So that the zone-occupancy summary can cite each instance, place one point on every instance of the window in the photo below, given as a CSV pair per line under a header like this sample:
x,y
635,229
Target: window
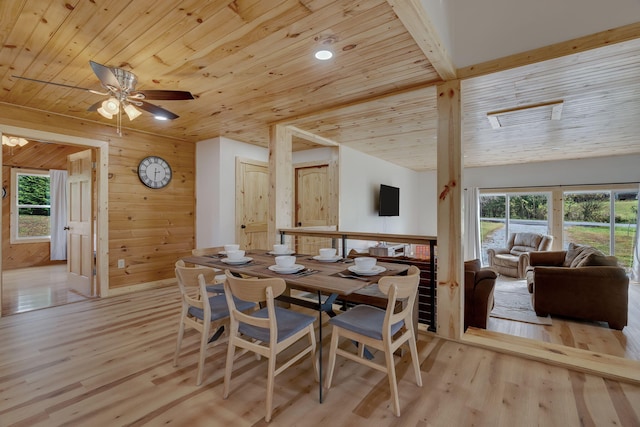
x,y
503,214
30,206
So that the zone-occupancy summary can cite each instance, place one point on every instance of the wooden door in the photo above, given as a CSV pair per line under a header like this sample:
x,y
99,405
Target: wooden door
x,y
252,192
312,206
80,264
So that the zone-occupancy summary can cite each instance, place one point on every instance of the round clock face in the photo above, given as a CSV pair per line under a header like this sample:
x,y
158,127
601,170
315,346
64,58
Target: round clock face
x,y
154,172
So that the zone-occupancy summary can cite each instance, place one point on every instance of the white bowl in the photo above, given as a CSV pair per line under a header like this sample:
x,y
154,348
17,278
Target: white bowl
x,y
365,263
231,247
327,253
284,261
237,254
280,249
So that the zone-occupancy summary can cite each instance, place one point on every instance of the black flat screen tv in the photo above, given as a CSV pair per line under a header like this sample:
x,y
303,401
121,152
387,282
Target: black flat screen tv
x,y
389,201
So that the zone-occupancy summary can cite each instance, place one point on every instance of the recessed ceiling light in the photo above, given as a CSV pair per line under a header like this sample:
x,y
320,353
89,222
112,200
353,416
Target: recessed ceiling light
x,y
160,118
323,55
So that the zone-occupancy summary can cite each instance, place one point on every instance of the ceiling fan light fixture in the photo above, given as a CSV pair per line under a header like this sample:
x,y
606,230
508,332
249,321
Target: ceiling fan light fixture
x,y
132,112
105,113
161,118
111,105
13,141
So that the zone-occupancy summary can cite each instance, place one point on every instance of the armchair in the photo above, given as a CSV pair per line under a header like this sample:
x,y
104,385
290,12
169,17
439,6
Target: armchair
x,y
479,284
513,260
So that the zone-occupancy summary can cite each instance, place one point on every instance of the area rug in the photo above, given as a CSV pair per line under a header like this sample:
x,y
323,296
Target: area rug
x,y
513,302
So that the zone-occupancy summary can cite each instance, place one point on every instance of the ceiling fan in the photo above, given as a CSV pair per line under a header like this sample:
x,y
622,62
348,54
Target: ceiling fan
x,y
120,86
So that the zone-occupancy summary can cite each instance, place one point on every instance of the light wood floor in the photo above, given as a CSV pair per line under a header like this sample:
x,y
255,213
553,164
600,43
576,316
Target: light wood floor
x,y
34,288
107,362
594,336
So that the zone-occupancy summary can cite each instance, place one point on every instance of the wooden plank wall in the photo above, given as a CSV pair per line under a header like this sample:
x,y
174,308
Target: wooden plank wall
x,y
149,229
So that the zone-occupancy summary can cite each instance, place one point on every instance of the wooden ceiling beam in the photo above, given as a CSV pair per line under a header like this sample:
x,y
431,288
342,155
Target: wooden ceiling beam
x,y
417,22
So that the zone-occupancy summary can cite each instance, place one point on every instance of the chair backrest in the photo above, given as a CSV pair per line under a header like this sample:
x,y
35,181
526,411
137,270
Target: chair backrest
x,y
528,242
191,273
254,289
206,251
400,287
192,284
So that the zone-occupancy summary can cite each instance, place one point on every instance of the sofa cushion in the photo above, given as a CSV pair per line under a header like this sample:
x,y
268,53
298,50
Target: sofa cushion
x,y
594,259
525,242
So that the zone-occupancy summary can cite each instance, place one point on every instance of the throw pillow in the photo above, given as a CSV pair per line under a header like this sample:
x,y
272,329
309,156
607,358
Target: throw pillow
x,y
572,252
584,254
594,259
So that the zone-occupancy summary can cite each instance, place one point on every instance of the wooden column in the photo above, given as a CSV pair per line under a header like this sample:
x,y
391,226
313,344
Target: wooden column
x,y
280,182
450,258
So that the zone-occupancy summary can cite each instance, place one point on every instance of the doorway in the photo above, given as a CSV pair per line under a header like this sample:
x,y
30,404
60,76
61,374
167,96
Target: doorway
x,y
44,287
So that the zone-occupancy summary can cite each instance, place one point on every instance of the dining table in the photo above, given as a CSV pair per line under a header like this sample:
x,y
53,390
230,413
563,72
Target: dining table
x,y
325,280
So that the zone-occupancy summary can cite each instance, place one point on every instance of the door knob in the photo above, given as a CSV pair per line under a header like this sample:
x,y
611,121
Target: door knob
x,y
67,228
243,226
299,224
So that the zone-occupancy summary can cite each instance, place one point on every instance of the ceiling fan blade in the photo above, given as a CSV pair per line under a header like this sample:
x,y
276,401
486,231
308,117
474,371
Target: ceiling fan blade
x,y
95,106
105,75
53,83
156,111
169,95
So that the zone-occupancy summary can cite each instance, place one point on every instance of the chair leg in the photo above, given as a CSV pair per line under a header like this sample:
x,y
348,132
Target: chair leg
x,y
204,341
335,335
270,381
228,367
179,343
393,385
414,359
314,360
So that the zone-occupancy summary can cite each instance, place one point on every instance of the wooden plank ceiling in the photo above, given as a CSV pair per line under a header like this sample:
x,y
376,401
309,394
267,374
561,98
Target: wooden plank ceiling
x,y
250,64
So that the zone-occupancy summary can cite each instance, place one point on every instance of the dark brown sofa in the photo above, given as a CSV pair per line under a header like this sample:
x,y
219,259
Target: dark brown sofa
x,y
479,284
581,283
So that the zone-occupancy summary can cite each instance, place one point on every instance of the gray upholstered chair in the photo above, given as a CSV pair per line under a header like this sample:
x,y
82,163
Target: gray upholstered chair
x,y
385,330
200,311
513,260
266,332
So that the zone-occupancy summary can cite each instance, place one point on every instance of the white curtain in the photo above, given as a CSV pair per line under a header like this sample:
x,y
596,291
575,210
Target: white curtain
x,y
471,236
635,268
58,182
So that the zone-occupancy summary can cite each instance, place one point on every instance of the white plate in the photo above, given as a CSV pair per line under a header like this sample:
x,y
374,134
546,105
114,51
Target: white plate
x,y
243,260
222,253
289,252
286,270
332,259
377,269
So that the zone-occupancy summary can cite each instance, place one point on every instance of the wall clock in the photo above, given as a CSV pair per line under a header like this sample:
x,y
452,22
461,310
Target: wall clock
x,y
154,172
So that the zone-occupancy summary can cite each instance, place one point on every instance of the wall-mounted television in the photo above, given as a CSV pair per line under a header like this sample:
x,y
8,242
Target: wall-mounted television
x,y
389,201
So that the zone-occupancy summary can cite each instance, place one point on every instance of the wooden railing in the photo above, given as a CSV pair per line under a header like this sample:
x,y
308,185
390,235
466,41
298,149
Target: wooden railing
x,y
427,265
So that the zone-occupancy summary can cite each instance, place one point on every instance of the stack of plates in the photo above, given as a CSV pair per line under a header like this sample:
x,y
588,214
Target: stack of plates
x,y
371,272
286,270
243,260
330,259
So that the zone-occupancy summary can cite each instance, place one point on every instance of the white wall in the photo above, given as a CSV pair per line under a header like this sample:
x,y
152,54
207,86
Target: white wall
x,y
604,170
215,188
360,179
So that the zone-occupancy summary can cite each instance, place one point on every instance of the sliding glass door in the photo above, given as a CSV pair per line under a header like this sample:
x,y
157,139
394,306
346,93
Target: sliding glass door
x,y
503,214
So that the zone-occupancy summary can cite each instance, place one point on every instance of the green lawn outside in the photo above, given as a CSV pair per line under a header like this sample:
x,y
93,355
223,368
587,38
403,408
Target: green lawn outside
x,y
33,226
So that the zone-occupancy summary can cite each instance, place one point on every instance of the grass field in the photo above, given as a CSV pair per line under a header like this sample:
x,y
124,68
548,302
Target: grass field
x,y
33,225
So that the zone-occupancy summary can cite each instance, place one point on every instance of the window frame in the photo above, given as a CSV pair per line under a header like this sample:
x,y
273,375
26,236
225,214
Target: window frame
x,y
14,238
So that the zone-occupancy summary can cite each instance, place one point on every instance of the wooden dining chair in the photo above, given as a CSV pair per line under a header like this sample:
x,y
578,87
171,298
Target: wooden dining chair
x,y
384,330
201,312
212,277
266,332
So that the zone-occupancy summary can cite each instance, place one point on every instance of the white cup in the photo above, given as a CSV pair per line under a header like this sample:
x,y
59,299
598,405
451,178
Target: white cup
x,y
235,255
365,263
231,247
285,261
280,249
327,253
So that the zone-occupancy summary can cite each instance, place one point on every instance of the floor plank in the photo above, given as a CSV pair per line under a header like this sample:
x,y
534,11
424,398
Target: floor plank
x,y
108,362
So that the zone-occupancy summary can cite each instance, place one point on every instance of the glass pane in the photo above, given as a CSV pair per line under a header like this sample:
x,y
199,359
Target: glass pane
x,y
33,189
528,213
626,217
33,222
492,223
587,219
